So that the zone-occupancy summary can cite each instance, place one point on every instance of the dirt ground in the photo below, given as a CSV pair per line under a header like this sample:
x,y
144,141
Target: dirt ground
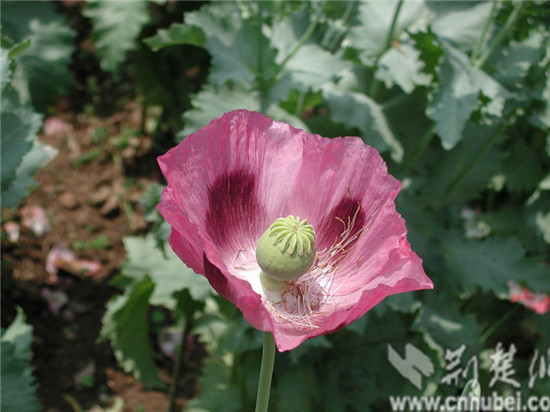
x,y
90,191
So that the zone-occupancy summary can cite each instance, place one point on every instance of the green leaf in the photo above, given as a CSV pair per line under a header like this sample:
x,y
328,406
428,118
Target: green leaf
x,y
219,393
19,334
459,22
307,347
456,98
358,110
308,69
18,389
512,63
301,67
491,263
242,58
544,113
38,156
459,176
402,66
168,273
524,169
125,324
176,34
297,390
222,328
115,28
42,73
375,19
4,68
214,101
445,327
21,153
17,139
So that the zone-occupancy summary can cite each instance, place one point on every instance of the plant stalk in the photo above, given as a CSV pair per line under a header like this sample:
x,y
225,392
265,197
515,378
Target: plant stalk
x,y
466,170
425,140
375,85
182,349
502,34
481,40
302,41
266,373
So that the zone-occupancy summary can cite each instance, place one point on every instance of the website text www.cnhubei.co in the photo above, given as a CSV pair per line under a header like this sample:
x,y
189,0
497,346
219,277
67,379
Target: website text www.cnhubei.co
x,y
495,402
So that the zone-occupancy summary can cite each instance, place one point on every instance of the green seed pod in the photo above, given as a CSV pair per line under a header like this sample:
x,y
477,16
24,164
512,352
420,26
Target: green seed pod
x,y
287,249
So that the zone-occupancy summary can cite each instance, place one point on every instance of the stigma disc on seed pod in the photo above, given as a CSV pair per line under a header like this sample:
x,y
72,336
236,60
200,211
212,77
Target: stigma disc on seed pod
x,y
286,250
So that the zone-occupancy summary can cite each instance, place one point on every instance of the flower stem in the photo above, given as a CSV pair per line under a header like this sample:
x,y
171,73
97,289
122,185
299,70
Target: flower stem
x,y
302,41
419,149
466,170
182,348
481,39
502,34
375,85
266,372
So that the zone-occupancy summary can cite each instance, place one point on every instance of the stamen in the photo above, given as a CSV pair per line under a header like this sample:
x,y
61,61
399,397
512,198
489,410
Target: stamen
x,y
303,299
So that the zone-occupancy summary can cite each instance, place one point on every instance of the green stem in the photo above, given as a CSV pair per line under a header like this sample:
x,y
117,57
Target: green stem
x,y
466,171
300,105
266,372
419,149
260,80
502,34
302,41
182,348
481,39
491,329
335,38
375,85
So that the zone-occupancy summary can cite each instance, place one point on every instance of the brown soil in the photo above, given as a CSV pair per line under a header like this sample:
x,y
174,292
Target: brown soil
x,y
91,188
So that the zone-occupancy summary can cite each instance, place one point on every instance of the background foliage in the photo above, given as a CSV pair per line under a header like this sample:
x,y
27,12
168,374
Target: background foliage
x,y
453,94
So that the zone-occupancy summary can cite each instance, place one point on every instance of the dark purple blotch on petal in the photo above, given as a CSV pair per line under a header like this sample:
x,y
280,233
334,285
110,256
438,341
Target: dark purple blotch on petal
x,y
346,215
218,281
233,207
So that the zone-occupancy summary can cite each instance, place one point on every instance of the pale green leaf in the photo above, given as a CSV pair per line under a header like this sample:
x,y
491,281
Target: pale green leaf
x,y
358,110
445,327
456,98
214,101
489,265
401,65
42,72
375,18
115,27
242,58
39,155
176,34
219,393
459,22
18,389
512,63
168,273
125,324
17,138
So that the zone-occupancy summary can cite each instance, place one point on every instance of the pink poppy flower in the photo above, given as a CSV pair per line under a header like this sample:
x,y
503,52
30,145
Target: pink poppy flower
x,y
537,302
229,181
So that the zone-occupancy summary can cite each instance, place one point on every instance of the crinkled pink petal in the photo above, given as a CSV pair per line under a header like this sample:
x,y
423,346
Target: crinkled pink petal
x,y
35,219
59,253
537,302
53,125
13,231
230,180
56,299
61,257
